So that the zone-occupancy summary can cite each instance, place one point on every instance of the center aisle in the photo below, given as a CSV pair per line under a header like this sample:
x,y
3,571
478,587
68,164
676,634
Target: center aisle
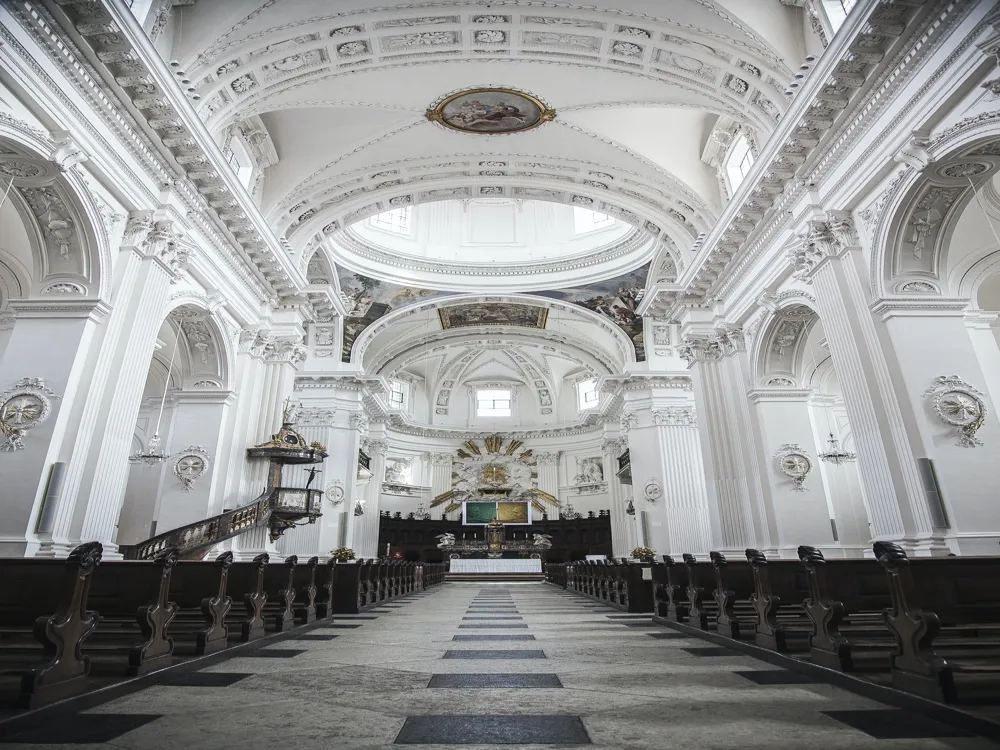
x,y
501,665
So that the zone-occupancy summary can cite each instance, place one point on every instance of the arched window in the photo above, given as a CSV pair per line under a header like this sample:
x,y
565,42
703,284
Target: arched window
x,y
739,162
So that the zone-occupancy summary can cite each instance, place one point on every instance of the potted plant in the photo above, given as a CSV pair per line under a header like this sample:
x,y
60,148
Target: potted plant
x,y
342,554
644,554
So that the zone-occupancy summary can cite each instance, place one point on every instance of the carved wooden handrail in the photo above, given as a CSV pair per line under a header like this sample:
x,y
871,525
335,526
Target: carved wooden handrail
x,y
202,534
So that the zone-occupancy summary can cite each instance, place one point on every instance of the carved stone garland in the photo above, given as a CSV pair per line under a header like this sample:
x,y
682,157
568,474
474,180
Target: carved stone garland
x,y
960,405
23,406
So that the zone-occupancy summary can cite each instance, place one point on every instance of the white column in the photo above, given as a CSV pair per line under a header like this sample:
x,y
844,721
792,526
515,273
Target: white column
x,y
97,462
930,339
832,259
548,478
365,527
685,499
51,341
621,523
440,479
801,516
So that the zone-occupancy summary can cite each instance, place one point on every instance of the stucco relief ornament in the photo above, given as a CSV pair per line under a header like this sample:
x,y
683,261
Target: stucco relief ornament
x,y
960,405
190,465
652,491
335,493
23,406
795,463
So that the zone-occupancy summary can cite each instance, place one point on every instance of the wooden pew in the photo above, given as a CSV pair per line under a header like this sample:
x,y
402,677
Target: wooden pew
x,y
279,586
780,588
675,589
246,585
702,607
945,617
44,621
304,582
200,591
324,589
845,605
734,585
131,598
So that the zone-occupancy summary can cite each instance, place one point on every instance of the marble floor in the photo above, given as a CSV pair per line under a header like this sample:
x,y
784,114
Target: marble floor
x,y
493,665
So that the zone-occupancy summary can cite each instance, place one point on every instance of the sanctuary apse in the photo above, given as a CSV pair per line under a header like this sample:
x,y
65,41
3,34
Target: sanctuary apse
x,y
678,278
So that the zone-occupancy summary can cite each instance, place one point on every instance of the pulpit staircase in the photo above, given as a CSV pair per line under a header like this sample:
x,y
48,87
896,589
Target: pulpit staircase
x,y
279,508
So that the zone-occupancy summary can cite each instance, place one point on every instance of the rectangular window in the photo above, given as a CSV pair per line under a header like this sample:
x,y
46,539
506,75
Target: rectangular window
x,y
493,403
585,220
587,394
397,395
397,220
739,162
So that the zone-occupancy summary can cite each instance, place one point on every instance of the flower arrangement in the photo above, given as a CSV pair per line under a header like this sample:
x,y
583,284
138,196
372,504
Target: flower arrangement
x,y
342,554
643,553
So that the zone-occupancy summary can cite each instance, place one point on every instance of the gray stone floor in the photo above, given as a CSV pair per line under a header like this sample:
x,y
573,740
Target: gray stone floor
x,y
390,682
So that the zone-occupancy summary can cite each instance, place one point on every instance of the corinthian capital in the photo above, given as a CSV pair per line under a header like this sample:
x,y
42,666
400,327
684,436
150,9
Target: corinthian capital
x,y
547,459
288,349
845,233
700,349
441,459
674,416
730,340
138,227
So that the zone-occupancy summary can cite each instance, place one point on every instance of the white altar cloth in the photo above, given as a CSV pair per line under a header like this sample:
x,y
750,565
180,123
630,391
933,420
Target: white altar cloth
x,y
496,566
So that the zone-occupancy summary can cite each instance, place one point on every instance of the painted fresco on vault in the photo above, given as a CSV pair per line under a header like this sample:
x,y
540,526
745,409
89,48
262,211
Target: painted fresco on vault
x,y
615,299
371,299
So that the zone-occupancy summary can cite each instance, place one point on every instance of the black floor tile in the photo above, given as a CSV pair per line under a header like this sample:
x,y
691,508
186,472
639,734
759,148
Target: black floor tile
x,y
895,724
203,679
778,677
355,617
495,654
494,681
709,651
341,625
315,637
512,637
494,617
82,729
667,636
643,624
493,730
627,617
277,653
484,625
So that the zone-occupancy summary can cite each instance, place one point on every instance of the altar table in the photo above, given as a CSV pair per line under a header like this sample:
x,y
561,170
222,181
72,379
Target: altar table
x,y
495,566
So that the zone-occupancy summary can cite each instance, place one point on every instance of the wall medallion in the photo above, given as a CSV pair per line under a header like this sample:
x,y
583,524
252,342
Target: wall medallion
x,y
190,464
490,111
653,491
960,405
795,463
335,493
23,406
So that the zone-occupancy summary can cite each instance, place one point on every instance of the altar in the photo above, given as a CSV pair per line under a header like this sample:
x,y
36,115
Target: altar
x,y
463,565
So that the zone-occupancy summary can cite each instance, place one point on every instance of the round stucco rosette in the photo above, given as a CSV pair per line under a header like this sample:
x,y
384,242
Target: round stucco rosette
x,y
958,407
795,463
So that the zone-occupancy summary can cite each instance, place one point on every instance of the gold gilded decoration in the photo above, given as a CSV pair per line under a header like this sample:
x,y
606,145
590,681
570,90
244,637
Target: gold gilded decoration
x,y
493,443
512,512
473,448
495,475
511,447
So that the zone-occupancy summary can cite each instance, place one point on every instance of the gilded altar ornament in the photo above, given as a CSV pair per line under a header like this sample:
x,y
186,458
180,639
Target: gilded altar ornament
x,y
191,464
795,463
23,406
959,405
491,111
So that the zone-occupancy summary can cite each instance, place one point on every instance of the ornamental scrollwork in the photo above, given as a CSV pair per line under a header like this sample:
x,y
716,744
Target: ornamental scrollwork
x,y
23,406
960,405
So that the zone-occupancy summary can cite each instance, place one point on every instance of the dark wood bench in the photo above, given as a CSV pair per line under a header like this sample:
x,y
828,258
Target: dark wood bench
x,y
131,598
246,586
324,589
780,588
44,620
734,586
846,602
279,586
674,606
945,618
200,591
702,607
304,582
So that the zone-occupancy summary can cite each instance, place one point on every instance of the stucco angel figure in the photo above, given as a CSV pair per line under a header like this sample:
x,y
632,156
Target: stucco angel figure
x,y
542,541
445,540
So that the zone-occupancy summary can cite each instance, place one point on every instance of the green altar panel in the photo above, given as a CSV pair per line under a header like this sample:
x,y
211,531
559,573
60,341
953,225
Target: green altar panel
x,y
480,512
512,512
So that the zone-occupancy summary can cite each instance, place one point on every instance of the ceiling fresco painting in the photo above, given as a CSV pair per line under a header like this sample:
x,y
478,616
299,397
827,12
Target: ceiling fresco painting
x,y
491,111
371,299
493,314
615,299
